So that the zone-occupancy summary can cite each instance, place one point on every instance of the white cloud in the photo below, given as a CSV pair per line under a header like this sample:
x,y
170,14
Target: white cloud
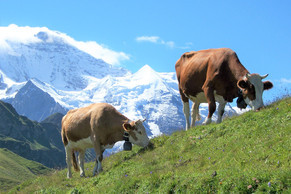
x,y
101,52
170,44
285,81
186,46
153,39
27,35
158,40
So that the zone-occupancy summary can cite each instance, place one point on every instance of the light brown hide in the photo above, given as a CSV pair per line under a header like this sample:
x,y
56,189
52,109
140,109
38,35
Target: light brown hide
x,y
100,120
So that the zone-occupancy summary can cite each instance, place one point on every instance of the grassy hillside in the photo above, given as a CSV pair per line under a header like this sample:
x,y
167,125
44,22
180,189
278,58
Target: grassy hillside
x,y
15,169
248,153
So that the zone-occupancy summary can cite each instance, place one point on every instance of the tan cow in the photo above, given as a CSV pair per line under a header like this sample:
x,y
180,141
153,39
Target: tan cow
x,y
216,75
99,126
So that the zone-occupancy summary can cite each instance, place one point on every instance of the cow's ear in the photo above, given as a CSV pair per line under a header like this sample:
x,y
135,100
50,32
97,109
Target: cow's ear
x,y
267,85
127,127
242,84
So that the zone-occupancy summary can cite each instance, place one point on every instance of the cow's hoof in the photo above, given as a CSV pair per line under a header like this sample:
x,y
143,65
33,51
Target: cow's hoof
x,y
69,175
100,170
207,121
192,125
218,121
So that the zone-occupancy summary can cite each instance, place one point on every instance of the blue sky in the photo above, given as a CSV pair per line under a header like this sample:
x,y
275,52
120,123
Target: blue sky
x,y
157,32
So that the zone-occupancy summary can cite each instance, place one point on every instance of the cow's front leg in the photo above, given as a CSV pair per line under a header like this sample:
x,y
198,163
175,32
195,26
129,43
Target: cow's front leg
x,y
98,167
81,158
221,107
97,147
208,91
195,113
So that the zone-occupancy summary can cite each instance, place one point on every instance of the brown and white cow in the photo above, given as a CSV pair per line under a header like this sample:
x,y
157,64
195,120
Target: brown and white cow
x,y
97,126
216,75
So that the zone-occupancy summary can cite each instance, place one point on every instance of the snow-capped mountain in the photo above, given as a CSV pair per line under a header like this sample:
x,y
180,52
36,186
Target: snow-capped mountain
x,y
35,103
46,72
49,56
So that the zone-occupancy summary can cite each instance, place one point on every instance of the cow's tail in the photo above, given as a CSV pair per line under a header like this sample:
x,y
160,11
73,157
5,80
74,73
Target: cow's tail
x,y
74,161
63,134
64,138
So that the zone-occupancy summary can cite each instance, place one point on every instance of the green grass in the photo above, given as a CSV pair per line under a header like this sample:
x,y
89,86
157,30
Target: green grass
x,y
15,169
249,153
37,146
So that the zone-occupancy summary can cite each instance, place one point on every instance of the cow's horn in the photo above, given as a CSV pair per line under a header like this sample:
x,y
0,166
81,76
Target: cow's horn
x,y
248,75
143,120
264,76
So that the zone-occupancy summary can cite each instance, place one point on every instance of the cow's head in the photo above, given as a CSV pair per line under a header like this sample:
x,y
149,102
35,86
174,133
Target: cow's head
x,y
137,133
252,89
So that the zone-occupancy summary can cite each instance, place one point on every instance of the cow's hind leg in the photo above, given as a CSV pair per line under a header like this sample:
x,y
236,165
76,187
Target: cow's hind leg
x,y
68,160
81,158
209,94
186,108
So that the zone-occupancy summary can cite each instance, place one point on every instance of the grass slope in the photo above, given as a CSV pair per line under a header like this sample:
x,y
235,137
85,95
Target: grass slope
x,y
14,169
244,154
